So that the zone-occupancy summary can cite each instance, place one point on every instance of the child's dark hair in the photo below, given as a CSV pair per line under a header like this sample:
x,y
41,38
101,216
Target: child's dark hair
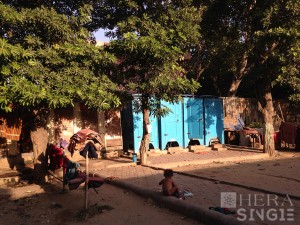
x,y
168,173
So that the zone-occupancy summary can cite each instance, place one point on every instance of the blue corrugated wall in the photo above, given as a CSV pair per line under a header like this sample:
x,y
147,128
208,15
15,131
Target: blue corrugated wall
x,y
197,117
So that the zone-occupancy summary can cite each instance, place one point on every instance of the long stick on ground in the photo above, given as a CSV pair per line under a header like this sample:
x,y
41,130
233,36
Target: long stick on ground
x,y
57,178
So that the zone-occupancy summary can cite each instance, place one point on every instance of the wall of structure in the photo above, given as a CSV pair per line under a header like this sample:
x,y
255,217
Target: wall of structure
x,y
247,109
62,124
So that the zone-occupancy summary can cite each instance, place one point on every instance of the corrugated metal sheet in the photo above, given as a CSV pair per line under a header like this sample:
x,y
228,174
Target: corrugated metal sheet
x,y
10,132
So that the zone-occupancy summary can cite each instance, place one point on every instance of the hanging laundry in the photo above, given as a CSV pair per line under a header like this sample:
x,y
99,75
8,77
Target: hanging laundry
x,y
71,171
71,146
89,149
288,132
63,143
73,176
56,156
77,181
95,182
81,137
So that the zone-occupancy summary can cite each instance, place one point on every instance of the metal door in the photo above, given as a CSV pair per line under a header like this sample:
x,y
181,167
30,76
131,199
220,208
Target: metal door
x,y
193,120
213,119
138,128
172,125
154,136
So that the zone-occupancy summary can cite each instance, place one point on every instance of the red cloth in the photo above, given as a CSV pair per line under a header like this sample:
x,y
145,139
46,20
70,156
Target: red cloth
x,y
75,183
83,134
288,132
95,182
57,158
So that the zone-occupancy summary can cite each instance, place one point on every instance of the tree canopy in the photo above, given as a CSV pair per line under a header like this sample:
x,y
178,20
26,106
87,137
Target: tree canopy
x,y
248,47
47,57
152,39
245,41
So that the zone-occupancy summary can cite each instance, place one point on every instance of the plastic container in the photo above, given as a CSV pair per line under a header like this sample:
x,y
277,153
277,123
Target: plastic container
x,y
134,157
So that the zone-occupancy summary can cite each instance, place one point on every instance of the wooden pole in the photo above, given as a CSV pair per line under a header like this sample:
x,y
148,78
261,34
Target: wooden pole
x,y
86,180
64,173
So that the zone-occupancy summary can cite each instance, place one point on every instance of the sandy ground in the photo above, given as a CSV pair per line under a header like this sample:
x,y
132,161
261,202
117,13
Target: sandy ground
x,y
33,204
275,175
246,178
279,175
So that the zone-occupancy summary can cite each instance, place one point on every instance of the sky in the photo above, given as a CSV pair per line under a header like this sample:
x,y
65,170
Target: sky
x,y
100,36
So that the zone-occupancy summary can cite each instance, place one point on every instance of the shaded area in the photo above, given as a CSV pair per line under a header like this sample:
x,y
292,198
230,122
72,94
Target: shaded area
x,y
91,211
208,181
33,204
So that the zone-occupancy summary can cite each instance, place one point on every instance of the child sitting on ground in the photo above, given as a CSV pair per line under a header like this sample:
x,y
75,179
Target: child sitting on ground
x,y
168,186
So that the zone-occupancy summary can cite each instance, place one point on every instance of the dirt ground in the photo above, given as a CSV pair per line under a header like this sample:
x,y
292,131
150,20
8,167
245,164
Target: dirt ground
x,y
280,174
32,205
255,180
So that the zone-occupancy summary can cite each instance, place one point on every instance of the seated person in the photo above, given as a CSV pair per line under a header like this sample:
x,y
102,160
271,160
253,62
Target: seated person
x,y
168,186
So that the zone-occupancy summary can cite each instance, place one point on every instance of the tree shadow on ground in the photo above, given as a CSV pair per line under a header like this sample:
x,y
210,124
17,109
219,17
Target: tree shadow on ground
x,y
265,178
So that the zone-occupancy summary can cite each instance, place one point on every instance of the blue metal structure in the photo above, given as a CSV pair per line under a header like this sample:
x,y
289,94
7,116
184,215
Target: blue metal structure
x,y
213,119
154,135
193,119
132,128
137,130
171,126
197,118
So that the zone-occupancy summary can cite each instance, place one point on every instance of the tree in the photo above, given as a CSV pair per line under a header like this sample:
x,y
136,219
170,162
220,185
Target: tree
x,y
251,41
152,38
48,60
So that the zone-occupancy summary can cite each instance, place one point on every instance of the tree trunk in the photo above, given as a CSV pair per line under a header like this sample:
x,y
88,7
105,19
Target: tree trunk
x,y
146,138
39,139
265,106
269,145
146,135
239,75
